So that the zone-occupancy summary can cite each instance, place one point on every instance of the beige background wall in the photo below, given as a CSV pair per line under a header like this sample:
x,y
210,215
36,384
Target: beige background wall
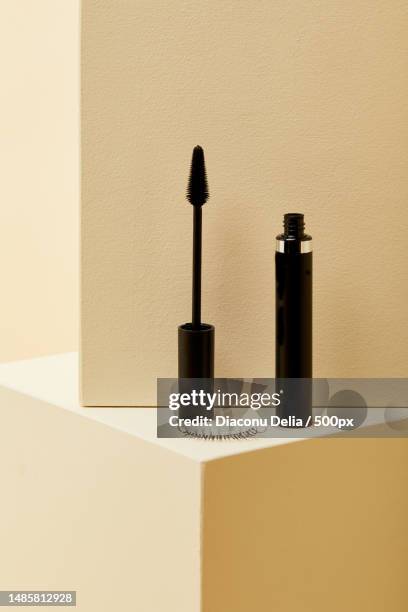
x,y
38,176
299,106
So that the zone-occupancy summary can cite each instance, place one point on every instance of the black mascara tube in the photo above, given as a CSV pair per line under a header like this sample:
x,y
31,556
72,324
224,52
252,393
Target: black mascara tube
x,y
293,261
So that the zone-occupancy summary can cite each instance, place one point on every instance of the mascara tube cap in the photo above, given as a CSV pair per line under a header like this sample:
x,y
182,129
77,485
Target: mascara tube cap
x,y
195,361
196,351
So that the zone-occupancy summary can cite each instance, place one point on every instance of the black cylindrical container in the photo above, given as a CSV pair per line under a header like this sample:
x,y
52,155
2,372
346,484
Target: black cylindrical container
x,y
195,361
196,351
293,260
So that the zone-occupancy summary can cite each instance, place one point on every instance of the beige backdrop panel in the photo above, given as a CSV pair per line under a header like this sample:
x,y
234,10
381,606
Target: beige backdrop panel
x,y
299,106
39,150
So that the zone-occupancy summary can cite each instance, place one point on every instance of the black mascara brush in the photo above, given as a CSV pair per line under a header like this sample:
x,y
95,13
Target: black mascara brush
x,y
197,195
196,339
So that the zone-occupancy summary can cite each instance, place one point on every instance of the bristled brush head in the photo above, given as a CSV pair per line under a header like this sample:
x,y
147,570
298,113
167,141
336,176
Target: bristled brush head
x,y
197,190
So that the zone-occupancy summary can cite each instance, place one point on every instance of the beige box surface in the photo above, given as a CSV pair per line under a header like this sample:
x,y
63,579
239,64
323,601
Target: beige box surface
x,y
94,502
299,106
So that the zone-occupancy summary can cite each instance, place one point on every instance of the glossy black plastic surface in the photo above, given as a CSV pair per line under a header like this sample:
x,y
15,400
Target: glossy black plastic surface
x,y
294,329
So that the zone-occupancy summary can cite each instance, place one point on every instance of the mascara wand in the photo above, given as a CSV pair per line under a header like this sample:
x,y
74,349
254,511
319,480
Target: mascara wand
x,y
196,339
197,195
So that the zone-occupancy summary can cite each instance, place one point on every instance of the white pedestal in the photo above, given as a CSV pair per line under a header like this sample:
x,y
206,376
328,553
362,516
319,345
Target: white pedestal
x,y
94,502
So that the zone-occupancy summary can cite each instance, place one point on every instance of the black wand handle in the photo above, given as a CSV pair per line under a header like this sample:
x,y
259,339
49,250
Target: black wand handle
x,y
197,240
